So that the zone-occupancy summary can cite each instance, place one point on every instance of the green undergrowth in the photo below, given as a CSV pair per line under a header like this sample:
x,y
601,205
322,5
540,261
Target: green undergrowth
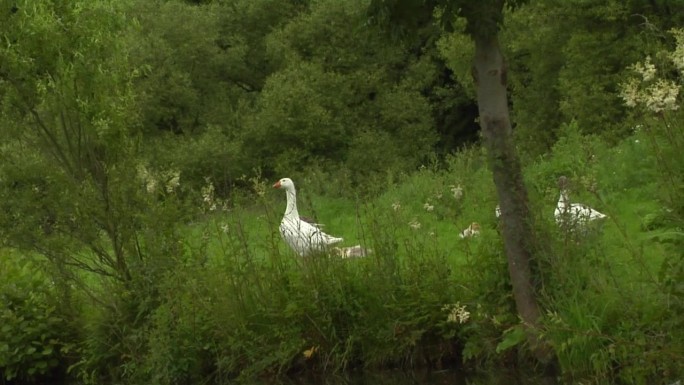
x,y
603,288
34,330
238,304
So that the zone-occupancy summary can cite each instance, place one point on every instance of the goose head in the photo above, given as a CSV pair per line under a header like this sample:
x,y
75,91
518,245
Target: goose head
x,y
563,182
285,183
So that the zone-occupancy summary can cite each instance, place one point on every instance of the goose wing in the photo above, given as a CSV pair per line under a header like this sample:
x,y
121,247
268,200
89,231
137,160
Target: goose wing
x,y
304,237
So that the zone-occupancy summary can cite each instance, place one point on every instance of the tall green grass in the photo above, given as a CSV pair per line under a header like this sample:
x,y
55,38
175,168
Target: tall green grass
x,y
236,303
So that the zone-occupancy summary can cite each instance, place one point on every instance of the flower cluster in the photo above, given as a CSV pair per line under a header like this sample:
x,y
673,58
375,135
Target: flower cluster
x,y
657,97
259,185
211,202
147,178
457,191
647,70
457,313
428,207
655,93
677,56
225,228
172,180
662,96
414,224
168,180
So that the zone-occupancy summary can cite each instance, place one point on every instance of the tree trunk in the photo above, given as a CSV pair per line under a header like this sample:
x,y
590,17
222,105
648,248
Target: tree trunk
x,y
489,73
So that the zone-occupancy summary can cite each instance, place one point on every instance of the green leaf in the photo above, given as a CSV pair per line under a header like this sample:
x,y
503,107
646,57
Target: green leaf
x,y
512,337
665,236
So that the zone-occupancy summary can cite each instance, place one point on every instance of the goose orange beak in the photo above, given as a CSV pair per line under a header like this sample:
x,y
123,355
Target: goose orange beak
x,y
276,184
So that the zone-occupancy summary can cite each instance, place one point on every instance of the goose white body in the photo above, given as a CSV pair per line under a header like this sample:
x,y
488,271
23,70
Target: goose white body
x,y
573,214
303,237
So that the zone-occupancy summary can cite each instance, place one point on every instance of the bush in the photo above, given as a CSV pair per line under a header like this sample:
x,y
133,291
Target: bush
x,y
32,331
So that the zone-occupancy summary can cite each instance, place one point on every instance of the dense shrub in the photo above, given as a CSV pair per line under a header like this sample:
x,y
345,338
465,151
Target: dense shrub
x,y
33,331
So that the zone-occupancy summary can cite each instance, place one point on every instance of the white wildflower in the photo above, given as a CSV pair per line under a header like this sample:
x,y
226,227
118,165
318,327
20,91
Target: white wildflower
x,y
142,171
151,185
168,180
630,93
414,224
662,96
260,186
224,228
147,178
208,195
457,191
173,181
457,313
428,207
656,95
677,56
647,70
396,206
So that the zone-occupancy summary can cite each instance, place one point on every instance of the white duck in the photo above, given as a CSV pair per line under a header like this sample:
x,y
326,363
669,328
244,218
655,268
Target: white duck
x,y
302,236
573,214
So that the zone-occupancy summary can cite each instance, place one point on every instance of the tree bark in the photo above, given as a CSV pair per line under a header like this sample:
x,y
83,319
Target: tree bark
x,y
489,72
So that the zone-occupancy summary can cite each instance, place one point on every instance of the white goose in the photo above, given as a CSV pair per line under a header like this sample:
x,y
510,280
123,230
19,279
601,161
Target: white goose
x,y
302,236
573,214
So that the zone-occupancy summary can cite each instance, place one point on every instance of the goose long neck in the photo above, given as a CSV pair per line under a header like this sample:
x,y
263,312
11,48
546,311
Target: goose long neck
x,y
563,200
291,209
